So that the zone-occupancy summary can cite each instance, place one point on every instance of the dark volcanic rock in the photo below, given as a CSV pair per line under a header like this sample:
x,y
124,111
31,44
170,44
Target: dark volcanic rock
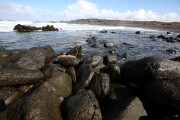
x,y
176,59
178,36
171,51
165,93
81,106
42,103
14,77
114,72
49,28
84,76
137,32
130,109
150,69
68,60
24,28
100,84
71,71
76,51
32,59
110,59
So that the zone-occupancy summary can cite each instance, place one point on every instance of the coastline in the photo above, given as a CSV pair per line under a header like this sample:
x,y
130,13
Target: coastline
x,y
164,26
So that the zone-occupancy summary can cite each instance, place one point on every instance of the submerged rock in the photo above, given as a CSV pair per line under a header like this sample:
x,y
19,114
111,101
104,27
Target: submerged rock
x,y
42,103
81,106
137,32
14,77
49,28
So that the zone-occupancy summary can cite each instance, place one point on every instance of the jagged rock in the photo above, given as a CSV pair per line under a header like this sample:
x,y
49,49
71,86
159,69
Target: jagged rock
x,y
146,70
84,76
76,51
100,84
49,28
14,77
68,60
42,102
25,28
81,106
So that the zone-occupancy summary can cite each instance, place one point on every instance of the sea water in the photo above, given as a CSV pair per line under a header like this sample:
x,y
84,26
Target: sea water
x,y
71,35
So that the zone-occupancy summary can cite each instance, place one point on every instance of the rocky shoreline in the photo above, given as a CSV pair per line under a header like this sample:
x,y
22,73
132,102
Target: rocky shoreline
x,y
166,26
37,84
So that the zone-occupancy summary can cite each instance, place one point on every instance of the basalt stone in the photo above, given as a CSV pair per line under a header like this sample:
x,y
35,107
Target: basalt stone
x,y
103,31
25,28
76,51
14,77
178,36
71,71
130,109
165,93
100,84
118,93
42,102
49,52
6,92
171,51
84,76
95,60
53,69
32,59
137,32
176,59
81,106
68,60
49,28
114,72
150,69
110,59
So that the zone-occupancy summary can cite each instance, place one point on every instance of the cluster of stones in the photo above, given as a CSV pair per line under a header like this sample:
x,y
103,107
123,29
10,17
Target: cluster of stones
x,y
36,84
26,28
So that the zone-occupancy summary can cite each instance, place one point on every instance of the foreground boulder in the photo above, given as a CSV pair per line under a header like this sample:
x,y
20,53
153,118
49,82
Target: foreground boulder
x,y
81,106
150,69
130,109
32,59
42,103
15,77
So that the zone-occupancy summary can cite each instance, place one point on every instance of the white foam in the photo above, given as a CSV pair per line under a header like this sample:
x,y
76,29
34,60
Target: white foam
x,y
7,26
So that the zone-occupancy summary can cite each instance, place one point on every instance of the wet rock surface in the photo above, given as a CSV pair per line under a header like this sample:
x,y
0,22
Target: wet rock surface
x,y
81,106
37,84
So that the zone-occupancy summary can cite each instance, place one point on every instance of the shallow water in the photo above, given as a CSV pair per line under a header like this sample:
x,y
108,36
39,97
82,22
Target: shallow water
x,y
72,35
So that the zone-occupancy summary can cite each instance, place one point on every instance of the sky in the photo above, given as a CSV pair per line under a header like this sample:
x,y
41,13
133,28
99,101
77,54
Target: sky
x,y
57,10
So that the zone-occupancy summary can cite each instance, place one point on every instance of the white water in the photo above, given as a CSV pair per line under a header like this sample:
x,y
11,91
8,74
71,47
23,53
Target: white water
x,y
7,26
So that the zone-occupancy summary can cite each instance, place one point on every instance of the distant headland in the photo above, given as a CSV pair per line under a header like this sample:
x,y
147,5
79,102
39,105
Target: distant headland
x,y
167,26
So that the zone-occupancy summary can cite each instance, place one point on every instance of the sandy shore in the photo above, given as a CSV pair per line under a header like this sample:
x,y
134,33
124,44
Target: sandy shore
x,y
165,26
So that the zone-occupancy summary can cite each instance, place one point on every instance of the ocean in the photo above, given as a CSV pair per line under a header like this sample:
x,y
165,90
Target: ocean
x,y
71,35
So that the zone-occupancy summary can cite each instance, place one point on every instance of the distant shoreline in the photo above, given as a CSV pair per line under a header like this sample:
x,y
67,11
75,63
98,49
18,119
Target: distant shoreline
x,y
165,26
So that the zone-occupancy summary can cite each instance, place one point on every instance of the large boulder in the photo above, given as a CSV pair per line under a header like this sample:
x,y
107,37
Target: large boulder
x,y
146,70
81,106
15,77
42,102
32,59
100,84
84,76
130,109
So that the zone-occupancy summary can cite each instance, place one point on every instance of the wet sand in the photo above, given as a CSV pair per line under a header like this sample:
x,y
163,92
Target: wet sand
x,y
165,26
